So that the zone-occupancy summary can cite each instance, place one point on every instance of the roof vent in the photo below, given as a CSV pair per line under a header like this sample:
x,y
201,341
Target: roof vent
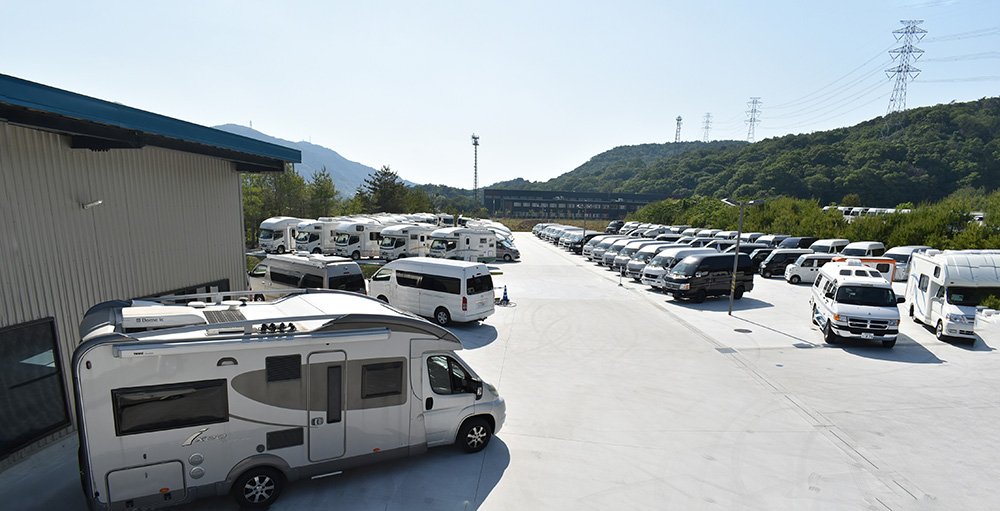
x,y
197,304
232,304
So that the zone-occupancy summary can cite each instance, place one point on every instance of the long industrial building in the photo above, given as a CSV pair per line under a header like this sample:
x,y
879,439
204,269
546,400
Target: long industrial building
x,y
565,205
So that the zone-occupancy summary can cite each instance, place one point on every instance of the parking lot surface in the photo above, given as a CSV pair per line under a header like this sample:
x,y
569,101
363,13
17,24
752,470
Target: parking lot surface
x,y
619,397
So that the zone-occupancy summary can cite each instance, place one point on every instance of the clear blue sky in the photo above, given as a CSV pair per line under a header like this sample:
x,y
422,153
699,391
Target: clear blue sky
x,y
545,84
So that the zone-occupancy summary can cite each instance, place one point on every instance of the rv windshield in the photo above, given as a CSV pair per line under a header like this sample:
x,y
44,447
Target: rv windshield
x,y
866,295
388,242
446,245
342,239
302,236
266,234
971,296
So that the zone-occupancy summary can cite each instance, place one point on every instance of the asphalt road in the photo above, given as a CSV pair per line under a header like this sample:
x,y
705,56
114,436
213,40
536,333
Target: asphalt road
x,y
622,398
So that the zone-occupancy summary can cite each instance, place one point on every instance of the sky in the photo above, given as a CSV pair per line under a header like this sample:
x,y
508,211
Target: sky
x,y
546,85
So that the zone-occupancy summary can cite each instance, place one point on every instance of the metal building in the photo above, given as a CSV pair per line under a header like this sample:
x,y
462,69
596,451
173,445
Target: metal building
x,y
100,201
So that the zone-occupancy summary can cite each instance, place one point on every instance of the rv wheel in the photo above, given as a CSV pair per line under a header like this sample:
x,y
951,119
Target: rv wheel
x,y
258,298
888,344
383,298
474,435
281,249
508,258
258,487
828,334
442,316
355,255
939,331
316,250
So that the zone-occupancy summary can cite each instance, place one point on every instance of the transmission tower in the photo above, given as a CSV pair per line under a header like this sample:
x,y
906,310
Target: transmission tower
x,y
707,125
677,134
906,53
475,167
754,113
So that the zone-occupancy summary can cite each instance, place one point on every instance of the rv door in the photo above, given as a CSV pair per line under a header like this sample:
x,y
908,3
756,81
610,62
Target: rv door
x,y
449,396
325,398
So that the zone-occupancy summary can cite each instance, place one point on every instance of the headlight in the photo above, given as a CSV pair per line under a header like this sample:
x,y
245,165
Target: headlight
x,y
959,318
685,287
893,322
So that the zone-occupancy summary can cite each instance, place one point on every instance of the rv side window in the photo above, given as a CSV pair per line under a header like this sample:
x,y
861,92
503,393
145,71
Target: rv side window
x,y
171,406
924,281
286,278
480,284
447,376
312,281
382,275
937,271
380,380
407,279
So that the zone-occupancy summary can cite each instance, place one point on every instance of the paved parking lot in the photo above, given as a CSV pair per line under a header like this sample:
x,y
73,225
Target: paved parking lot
x,y
622,398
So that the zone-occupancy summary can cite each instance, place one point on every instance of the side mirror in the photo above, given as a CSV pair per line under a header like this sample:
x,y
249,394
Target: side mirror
x,y
476,386
900,299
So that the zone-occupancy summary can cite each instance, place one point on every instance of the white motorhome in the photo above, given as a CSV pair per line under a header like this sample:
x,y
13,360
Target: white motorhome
x,y
181,402
442,289
664,261
277,234
359,239
399,241
316,236
944,288
849,299
445,220
464,244
299,271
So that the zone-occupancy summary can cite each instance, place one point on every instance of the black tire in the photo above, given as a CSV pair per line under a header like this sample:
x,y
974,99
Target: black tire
x,y
317,250
383,298
699,296
795,279
738,293
281,249
913,316
939,331
258,487
888,344
765,273
442,316
258,298
813,317
508,258
355,255
402,256
828,334
474,435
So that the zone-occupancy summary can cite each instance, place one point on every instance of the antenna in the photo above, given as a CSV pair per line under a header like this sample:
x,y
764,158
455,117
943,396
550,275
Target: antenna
x,y
475,167
677,134
904,71
707,125
754,113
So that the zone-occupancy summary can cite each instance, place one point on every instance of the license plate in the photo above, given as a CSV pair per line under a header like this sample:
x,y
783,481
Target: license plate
x,y
867,335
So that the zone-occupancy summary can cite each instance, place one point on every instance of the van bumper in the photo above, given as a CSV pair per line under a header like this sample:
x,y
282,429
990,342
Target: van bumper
x,y
865,333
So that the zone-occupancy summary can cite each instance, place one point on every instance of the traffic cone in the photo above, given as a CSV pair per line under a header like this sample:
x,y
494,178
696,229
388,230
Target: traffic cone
x,y
504,300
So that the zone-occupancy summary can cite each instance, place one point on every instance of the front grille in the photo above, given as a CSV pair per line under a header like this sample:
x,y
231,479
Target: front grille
x,y
868,324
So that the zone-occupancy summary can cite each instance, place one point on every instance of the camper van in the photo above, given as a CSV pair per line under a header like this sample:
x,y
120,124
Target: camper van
x,y
177,403
316,237
863,249
442,289
291,271
884,265
359,239
464,244
850,299
944,288
399,241
277,234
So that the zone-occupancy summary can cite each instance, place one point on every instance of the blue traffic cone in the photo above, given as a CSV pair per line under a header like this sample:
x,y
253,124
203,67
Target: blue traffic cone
x,y
504,300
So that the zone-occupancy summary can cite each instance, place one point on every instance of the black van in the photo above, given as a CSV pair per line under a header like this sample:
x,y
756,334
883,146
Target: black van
x,y
797,242
702,275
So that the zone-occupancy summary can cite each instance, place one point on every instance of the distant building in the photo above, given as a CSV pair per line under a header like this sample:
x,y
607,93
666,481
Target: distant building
x,y
100,201
565,205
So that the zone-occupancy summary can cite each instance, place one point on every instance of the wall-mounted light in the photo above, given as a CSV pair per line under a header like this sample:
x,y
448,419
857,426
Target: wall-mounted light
x,y
92,204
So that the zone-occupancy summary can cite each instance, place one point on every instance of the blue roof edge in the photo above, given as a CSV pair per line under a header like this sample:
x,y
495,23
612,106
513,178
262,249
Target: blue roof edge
x,y
36,96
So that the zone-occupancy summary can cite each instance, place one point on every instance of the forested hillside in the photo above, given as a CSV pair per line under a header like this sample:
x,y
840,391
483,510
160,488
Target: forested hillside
x,y
938,150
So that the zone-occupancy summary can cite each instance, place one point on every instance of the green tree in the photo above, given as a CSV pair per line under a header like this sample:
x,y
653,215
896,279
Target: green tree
x,y
324,199
383,192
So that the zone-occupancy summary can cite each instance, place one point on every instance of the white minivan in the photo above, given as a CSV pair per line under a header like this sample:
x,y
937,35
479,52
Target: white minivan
x,y
850,299
444,289
806,268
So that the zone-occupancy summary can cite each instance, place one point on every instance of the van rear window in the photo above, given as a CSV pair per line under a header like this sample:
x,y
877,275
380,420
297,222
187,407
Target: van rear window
x,y
480,284
171,406
355,282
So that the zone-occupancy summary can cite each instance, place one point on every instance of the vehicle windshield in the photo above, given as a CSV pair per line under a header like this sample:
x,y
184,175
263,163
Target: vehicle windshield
x,y
854,252
642,258
657,262
388,242
605,244
899,258
800,260
266,234
866,295
684,269
627,252
302,236
343,239
971,296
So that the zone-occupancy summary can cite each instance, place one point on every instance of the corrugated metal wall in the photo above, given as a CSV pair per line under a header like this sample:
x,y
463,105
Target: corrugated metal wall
x,y
168,220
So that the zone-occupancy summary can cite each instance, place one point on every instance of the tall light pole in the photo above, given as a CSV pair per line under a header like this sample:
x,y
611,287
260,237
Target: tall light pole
x,y
739,232
475,167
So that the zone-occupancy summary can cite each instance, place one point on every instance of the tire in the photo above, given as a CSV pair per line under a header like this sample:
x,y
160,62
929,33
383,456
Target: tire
x,y
402,256
765,273
281,249
258,487
813,317
828,336
258,298
383,298
474,435
355,255
699,296
913,316
795,279
888,344
939,331
316,250
441,316
508,258
738,293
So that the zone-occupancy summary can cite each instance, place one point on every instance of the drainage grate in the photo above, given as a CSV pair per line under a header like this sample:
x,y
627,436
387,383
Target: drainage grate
x,y
725,351
743,330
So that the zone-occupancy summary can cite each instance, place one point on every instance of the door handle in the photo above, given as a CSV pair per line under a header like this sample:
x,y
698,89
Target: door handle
x,y
429,403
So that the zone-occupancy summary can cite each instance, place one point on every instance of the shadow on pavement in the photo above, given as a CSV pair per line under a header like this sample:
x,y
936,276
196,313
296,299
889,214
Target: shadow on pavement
x,y
906,350
474,334
721,304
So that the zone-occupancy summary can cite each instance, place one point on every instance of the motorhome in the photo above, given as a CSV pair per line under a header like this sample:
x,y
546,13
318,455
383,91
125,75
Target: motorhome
x,y
944,288
664,261
359,239
277,234
699,276
464,244
884,265
177,403
317,236
445,220
442,289
399,241
849,299
294,271
902,257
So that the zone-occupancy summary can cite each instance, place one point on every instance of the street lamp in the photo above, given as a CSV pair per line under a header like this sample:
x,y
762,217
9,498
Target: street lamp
x,y
739,232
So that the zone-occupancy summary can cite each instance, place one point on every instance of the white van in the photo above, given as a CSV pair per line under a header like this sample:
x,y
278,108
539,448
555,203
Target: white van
x,y
829,246
443,289
863,249
642,257
945,288
850,299
806,268
664,261
294,271
884,265
902,257
176,403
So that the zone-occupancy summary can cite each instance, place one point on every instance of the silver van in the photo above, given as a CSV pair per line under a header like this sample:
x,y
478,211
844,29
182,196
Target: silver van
x,y
314,271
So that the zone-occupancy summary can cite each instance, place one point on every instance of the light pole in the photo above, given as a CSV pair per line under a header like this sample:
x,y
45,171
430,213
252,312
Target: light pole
x,y
739,232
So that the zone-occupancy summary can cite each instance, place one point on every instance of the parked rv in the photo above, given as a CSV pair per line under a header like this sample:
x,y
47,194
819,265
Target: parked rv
x,y
849,299
945,288
182,402
316,236
359,239
399,241
291,271
464,244
699,276
443,289
277,234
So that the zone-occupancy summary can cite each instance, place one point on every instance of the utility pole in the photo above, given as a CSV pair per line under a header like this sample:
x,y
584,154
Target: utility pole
x,y
677,134
707,126
475,167
754,113
904,71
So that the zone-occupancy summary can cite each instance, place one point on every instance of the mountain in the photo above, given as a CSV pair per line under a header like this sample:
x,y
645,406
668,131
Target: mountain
x,y
347,175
